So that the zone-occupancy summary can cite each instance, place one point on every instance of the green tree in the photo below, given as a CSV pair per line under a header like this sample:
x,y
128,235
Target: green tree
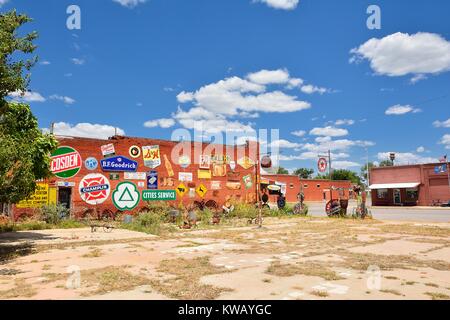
x,y
304,173
282,170
386,163
24,149
342,174
364,169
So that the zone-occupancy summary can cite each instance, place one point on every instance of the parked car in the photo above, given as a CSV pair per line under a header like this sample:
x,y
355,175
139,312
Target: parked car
x,y
446,205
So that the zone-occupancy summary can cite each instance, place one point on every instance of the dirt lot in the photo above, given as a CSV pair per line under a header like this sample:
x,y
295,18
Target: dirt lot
x,y
290,258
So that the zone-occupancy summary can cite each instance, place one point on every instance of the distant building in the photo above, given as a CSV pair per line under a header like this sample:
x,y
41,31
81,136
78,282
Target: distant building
x,y
410,185
313,189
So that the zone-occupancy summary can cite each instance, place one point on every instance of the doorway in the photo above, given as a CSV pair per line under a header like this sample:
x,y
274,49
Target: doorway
x,y
65,197
397,197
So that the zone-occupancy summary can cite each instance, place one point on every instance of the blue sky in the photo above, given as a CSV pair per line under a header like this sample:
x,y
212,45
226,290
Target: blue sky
x,y
149,67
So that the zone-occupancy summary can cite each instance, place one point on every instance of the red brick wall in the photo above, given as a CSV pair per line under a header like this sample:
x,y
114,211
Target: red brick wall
x,y
312,188
433,186
91,148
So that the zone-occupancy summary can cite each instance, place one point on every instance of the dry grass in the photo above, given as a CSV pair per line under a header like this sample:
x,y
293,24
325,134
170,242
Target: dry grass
x,y
185,283
409,229
319,293
21,290
437,296
434,285
95,253
312,269
391,291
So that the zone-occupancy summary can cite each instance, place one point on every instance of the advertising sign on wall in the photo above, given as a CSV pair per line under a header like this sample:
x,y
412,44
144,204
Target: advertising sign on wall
x,y
91,163
152,156
152,180
135,176
65,162
185,176
108,150
159,195
39,198
126,196
94,188
119,163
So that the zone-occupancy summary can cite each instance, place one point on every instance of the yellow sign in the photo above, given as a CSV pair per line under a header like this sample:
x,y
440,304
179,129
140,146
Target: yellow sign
x,y
204,174
201,190
246,162
38,199
181,190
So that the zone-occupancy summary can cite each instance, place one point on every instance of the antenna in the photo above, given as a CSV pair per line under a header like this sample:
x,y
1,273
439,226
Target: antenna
x,y
52,128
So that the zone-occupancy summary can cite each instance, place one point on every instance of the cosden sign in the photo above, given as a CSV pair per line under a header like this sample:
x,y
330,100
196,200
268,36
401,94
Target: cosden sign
x,y
119,163
65,162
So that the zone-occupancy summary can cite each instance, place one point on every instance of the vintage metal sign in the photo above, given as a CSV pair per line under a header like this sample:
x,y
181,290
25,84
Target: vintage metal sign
x,y
159,195
119,164
216,185
205,162
246,162
135,176
91,163
65,162
201,190
181,190
248,181
134,151
185,176
94,188
152,156
108,150
322,165
126,196
39,198
152,180
184,161
204,174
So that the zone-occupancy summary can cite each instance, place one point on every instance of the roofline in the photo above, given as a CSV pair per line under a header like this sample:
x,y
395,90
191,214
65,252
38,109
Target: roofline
x,y
408,165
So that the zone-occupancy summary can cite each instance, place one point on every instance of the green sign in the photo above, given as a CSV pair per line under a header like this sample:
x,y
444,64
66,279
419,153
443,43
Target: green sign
x,y
159,195
126,196
65,162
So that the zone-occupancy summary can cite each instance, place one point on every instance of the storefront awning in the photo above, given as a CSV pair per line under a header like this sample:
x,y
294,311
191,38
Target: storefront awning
x,y
407,185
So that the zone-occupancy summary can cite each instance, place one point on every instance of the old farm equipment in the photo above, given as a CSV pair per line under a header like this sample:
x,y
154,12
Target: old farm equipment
x,y
337,206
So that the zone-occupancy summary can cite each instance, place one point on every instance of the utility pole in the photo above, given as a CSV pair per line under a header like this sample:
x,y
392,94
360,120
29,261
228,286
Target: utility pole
x,y
368,169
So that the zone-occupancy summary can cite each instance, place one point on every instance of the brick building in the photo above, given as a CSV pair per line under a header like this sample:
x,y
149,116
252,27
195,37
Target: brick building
x,y
410,185
109,175
313,189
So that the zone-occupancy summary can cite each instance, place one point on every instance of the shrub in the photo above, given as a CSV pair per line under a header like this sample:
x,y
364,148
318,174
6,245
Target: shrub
x,y
205,216
53,214
148,222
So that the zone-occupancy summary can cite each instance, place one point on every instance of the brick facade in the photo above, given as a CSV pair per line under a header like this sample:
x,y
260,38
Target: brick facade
x,y
433,187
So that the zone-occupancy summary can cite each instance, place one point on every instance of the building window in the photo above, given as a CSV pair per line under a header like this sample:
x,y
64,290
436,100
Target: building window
x,y
305,186
291,186
412,193
318,186
382,193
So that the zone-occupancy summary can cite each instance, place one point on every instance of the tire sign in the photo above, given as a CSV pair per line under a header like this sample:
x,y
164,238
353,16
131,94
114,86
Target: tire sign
x,y
94,188
65,162
322,165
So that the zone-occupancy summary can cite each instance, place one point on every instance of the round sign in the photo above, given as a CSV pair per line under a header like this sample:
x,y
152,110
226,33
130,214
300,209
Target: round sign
x,y
91,163
94,188
126,196
322,165
65,162
274,187
135,152
266,162
184,161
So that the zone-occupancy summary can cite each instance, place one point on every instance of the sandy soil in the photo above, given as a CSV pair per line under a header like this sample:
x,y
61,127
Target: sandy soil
x,y
289,258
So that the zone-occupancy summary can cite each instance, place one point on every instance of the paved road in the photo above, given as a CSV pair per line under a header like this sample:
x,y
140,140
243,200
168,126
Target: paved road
x,y
398,214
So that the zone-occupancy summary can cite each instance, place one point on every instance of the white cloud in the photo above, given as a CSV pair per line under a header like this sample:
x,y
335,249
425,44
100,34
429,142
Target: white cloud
x,y
398,110
87,130
401,54
345,164
310,89
298,133
130,3
65,99
346,122
78,61
446,141
323,144
284,144
45,63
406,158
280,4
269,76
420,149
417,78
442,124
163,123
329,132
234,94
28,96
2,2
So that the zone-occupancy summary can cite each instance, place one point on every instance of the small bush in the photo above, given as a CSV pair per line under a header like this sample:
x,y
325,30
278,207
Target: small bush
x,y
205,216
148,222
53,214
